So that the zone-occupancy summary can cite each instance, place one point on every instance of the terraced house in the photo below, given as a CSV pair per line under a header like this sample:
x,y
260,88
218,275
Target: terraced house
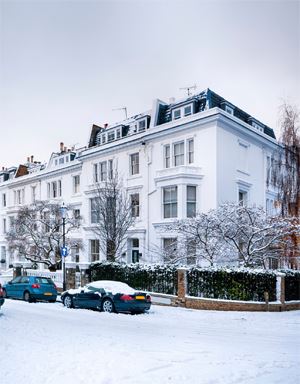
x,y
178,158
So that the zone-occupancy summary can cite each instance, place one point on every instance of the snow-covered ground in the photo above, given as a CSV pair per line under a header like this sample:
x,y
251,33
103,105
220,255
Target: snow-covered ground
x,y
49,344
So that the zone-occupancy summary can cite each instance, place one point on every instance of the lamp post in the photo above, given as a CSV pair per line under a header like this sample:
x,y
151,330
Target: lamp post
x,y
63,211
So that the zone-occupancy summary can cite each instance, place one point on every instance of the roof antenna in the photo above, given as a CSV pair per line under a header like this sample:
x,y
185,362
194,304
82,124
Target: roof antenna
x,y
188,89
122,109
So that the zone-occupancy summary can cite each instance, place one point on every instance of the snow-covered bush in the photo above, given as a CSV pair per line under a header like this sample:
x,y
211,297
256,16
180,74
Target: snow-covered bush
x,y
231,284
234,233
153,278
292,285
213,282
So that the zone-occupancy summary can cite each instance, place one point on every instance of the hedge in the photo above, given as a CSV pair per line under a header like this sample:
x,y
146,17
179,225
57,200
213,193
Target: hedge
x,y
218,283
292,285
231,284
153,278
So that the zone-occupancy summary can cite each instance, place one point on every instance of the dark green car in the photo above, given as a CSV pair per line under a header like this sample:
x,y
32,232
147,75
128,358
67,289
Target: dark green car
x,y
107,296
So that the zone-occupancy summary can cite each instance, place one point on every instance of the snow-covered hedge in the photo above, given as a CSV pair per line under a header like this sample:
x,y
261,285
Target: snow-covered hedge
x,y
213,282
292,285
231,283
154,278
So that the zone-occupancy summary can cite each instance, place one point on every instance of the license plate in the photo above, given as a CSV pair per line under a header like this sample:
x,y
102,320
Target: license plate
x,y
140,297
48,294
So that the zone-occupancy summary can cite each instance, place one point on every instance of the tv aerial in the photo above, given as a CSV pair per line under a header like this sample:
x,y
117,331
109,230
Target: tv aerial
x,y
122,109
188,89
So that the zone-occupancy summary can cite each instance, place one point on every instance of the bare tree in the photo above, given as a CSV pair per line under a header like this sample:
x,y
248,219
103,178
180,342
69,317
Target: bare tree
x,y
36,233
233,233
113,214
199,239
284,173
253,236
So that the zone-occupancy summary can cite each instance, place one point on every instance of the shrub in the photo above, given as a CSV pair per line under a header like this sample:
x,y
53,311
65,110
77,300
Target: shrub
x,y
153,278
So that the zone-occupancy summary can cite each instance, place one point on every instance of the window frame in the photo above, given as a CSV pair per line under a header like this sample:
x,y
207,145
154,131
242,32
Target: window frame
x,y
170,206
134,166
191,202
135,208
180,155
190,153
76,184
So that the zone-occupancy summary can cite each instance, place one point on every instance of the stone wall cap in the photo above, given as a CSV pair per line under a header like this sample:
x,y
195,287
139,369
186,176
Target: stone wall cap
x,y
70,264
84,265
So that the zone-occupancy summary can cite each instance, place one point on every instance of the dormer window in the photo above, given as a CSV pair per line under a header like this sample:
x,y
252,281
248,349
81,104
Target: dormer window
x,y
183,111
61,160
177,114
111,136
229,109
118,133
257,126
103,138
188,110
141,125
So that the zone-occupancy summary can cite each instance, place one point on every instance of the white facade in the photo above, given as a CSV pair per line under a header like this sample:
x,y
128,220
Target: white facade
x,y
198,157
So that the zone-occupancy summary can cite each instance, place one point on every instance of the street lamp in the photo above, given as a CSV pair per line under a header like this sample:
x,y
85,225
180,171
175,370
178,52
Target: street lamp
x,y
63,251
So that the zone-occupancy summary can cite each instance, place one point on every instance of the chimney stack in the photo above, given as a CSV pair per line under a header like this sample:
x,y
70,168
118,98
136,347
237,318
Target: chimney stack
x,y
31,158
105,125
61,147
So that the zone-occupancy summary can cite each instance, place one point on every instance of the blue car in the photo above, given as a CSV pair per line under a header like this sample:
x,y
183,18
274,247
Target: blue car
x,y
31,288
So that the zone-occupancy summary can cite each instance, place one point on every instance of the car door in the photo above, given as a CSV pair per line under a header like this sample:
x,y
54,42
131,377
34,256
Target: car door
x,y
12,287
22,286
87,299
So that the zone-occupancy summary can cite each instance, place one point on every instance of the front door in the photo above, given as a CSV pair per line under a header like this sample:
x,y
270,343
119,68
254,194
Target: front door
x,y
135,256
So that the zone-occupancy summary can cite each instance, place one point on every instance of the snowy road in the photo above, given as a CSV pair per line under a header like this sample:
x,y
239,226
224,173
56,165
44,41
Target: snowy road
x,y
49,344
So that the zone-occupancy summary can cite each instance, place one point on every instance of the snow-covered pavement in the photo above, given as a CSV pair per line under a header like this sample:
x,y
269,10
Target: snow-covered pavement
x,y
49,344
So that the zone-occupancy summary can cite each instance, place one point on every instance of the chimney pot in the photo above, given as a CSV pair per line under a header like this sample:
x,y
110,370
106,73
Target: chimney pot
x,y
61,146
31,158
105,125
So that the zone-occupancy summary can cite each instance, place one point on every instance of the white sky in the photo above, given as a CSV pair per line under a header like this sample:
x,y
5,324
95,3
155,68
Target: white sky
x,y
65,65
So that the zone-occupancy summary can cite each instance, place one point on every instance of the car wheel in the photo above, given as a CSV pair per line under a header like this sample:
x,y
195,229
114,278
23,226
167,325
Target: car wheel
x,y
5,294
107,306
68,302
27,297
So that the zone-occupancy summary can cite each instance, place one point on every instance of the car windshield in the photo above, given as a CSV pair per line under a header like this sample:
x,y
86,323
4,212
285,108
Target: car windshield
x,y
113,287
94,289
44,280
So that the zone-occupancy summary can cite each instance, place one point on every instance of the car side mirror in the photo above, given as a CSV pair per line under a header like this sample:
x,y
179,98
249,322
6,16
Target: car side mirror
x,y
82,291
9,282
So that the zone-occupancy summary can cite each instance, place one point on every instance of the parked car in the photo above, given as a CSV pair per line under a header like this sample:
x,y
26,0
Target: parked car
x,y
107,296
1,296
31,288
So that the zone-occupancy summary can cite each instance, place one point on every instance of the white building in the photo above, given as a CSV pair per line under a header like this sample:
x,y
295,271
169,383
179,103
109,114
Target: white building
x,y
178,158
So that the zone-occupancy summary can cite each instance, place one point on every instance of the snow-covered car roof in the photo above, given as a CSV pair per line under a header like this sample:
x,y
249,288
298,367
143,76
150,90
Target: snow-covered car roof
x,y
112,286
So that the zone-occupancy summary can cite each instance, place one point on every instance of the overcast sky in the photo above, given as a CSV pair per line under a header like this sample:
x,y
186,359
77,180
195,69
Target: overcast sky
x,y
65,65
